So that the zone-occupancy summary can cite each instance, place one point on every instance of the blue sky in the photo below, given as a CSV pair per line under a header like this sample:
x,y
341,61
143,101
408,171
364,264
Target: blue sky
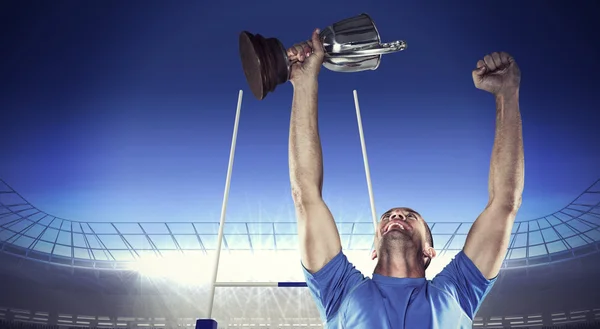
x,y
123,111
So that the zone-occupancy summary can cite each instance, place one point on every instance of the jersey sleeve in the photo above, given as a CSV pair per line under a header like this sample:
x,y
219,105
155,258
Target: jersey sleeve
x,y
332,283
463,280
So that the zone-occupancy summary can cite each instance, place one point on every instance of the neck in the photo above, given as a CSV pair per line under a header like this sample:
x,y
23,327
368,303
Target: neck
x,y
407,263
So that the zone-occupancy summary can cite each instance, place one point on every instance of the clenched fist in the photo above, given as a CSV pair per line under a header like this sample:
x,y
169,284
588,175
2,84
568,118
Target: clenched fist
x,y
307,57
497,73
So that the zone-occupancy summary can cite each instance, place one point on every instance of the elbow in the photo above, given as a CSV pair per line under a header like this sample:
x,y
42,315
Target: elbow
x,y
303,195
509,203
507,196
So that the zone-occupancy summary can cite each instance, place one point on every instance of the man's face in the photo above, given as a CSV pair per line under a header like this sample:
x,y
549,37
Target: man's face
x,y
402,224
402,227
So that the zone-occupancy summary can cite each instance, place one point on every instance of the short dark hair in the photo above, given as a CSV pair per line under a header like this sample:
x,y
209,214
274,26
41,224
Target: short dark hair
x,y
429,235
430,240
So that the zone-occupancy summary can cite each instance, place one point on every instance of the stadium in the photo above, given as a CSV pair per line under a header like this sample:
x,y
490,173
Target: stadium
x,y
58,272
116,120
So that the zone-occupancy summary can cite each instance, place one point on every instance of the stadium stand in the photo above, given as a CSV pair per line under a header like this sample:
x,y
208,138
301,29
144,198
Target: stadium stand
x,y
57,273
23,325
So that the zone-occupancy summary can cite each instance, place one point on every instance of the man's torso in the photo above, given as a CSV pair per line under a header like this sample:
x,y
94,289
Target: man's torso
x,y
416,305
347,299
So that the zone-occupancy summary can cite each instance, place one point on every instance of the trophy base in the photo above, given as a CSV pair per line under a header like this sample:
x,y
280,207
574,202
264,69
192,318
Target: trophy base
x,y
264,61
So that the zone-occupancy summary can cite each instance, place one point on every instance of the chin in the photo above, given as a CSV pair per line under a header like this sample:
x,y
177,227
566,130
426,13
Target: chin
x,y
400,239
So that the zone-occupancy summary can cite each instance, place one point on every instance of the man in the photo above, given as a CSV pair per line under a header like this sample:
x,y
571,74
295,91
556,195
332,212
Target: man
x,y
398,295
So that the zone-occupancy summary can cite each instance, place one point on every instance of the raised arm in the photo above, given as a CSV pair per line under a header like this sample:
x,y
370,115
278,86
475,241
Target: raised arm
x,y
488,239
317,233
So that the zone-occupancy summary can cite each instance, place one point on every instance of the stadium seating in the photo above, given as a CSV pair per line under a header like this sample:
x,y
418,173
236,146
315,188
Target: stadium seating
x,y
23,325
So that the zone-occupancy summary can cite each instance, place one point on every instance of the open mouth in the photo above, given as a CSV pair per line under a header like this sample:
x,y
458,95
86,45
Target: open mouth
x,y
395,226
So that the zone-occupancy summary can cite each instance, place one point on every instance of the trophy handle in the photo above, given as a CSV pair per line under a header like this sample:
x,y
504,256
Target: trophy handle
x,y
384,48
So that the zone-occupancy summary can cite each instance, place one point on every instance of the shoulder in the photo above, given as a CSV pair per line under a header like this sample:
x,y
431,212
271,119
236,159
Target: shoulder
x,y
461,270
461,280
332,284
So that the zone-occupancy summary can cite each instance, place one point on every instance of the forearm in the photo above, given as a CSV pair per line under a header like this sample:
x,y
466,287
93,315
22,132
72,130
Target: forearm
x,y
507,163
305,153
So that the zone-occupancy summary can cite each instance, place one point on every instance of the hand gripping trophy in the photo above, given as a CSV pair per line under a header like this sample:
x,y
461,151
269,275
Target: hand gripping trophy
x,y
351,45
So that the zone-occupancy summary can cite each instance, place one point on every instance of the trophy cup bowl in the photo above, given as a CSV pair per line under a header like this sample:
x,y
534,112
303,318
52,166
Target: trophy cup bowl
x,y
351,45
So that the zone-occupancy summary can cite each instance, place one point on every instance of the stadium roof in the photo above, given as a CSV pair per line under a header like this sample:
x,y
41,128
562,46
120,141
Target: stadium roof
x,y
29,232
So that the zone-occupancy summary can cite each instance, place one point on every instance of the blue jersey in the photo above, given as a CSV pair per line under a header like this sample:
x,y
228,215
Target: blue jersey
x,y
347,299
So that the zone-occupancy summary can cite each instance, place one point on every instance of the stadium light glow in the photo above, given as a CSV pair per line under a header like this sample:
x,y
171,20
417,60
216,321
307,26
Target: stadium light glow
x,y
250,266
184,269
